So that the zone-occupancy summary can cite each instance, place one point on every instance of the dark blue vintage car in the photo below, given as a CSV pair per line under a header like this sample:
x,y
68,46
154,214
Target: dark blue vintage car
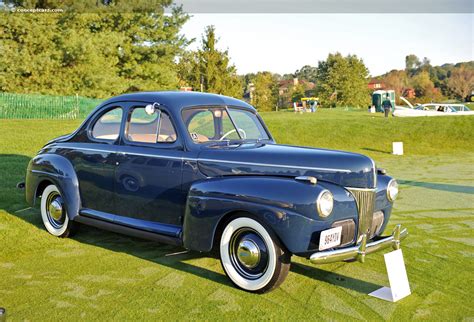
x,y
202,171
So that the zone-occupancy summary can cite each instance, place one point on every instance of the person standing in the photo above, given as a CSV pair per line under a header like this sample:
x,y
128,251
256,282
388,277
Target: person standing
x,y
387,105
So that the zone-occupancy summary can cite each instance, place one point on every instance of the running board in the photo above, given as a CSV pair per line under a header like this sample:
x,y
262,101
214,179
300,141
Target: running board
x,y
140,224
117,228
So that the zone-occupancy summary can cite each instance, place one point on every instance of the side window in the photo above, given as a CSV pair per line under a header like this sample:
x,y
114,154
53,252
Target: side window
x,y
107,127
166,132
153,128
201,126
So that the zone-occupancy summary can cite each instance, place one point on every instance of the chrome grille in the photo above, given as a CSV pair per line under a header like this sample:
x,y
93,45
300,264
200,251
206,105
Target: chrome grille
x,y
365,199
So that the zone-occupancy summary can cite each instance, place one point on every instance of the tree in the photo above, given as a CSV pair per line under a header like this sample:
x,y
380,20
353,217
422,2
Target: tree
x,y
211,68
396,80
95,55
424,87
412,62
297,92
461,82
308,73
346,76
425,65
265,93
439,75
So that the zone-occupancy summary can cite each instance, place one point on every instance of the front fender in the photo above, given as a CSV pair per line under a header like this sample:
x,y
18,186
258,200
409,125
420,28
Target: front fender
x,y
59,171
287,206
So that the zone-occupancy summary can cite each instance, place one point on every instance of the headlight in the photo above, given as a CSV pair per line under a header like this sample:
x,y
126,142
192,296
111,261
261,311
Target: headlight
x,y
392,190
325,203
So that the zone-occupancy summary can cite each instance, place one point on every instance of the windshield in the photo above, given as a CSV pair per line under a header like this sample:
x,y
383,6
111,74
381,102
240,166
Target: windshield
x,y
460,108
222,124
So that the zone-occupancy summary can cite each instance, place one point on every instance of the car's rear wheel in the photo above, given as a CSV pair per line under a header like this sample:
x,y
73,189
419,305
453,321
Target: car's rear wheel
x,y
252,257
54,213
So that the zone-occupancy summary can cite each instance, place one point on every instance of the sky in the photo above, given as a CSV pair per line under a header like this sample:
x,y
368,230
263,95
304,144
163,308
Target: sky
x,y
283,43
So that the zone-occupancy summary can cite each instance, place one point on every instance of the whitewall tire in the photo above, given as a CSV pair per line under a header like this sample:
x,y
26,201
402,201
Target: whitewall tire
x,y
251,255
53,213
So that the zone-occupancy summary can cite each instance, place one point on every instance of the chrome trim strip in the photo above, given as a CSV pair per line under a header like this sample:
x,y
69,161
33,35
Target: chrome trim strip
x,y
212,160
155,156
45,173
361,189
125,153
364,248
277,165
375,172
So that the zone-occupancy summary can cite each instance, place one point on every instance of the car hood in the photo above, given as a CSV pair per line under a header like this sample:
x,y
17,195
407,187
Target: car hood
x,y
342,168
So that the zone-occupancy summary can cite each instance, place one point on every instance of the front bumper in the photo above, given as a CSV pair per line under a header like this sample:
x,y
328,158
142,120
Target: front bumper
x,y
358,252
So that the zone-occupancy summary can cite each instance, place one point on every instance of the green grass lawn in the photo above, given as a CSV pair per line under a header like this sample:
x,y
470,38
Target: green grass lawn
x,y
98,275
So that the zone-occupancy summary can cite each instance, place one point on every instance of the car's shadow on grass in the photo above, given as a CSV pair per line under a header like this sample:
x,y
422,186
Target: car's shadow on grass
x,y
439,186
334,278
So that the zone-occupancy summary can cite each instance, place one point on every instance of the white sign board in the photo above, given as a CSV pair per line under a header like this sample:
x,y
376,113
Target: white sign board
x,y
397,277
397,148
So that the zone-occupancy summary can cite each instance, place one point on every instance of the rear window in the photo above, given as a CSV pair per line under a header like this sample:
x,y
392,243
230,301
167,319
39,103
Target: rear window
x,y
107,127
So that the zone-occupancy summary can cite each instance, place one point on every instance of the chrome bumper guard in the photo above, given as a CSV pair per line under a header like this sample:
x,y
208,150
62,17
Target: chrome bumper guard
x,y
358,252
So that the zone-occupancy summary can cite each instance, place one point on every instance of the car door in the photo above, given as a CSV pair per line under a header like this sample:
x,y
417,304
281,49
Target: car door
x,y
94,159
149,172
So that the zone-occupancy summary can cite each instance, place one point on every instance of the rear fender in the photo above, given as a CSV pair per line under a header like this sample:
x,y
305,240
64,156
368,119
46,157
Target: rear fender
x,y
58,170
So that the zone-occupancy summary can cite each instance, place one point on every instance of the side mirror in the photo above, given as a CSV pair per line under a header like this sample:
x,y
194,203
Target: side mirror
x,y
150,109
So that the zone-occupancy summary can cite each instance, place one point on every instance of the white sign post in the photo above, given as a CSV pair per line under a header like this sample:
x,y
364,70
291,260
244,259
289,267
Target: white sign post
x,y
397,277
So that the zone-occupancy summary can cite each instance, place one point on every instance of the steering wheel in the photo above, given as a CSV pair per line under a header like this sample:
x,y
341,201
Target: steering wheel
x,y
232,131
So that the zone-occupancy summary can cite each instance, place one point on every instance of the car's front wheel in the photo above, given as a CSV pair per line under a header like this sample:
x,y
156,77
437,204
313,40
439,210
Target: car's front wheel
x,y
54,213
252,257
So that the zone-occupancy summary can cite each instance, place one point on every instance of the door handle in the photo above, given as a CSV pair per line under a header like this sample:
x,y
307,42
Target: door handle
x,y
120,155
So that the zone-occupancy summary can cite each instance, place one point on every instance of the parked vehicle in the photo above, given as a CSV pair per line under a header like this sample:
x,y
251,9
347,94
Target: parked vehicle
x,y
433,109
202,171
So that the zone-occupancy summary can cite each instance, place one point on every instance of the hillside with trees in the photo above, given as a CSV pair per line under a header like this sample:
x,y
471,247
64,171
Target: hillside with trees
x,y
431,83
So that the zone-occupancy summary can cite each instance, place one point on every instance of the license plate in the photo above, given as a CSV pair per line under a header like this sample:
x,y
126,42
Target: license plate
x,y
330,238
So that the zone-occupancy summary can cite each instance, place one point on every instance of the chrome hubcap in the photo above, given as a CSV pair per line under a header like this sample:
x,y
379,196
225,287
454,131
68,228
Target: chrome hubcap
x,y
55,210
248,253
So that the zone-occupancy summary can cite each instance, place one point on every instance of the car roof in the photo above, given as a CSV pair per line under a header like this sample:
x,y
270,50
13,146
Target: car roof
x,y
179,99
